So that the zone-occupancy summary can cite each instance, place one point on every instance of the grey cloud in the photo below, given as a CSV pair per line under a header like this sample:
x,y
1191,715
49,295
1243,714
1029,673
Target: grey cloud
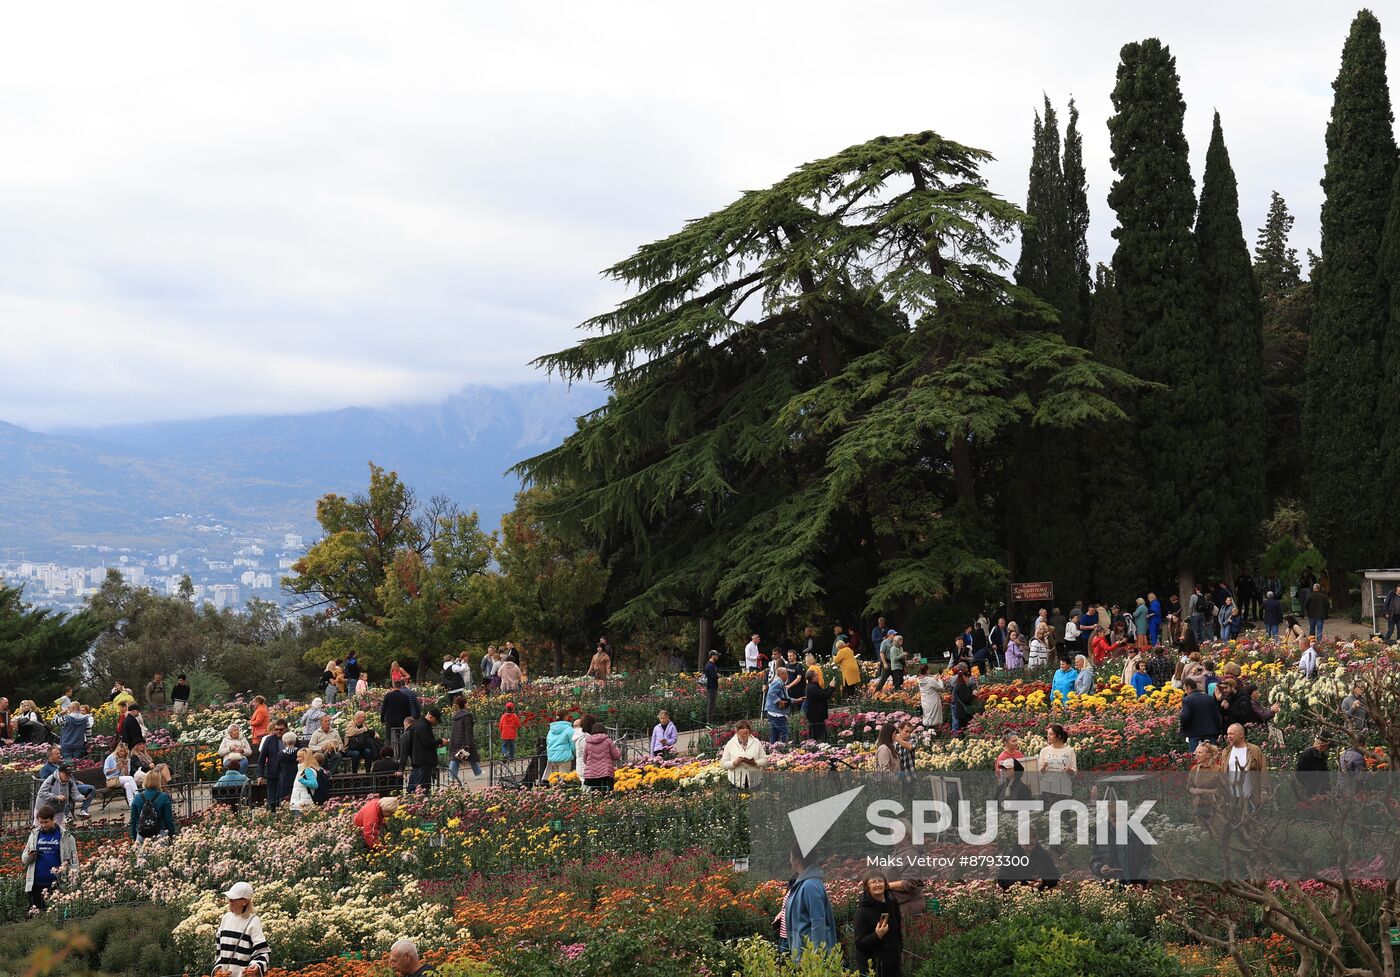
x,y
274,208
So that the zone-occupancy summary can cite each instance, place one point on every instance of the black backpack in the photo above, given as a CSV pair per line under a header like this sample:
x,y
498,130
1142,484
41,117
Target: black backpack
x,y
148,822
1204,607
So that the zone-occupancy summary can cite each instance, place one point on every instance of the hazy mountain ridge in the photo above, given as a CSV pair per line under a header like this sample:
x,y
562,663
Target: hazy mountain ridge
x,y
111,485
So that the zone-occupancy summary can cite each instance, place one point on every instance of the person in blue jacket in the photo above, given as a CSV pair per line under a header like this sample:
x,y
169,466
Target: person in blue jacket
x,y
1154,620
1063,682
559,745
1141,680
808,920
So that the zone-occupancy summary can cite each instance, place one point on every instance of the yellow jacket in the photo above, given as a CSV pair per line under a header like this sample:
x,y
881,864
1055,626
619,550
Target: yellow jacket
x,y
850,668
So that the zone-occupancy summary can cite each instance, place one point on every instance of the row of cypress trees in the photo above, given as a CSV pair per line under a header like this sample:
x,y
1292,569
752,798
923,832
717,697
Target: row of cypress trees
x,y
1213,443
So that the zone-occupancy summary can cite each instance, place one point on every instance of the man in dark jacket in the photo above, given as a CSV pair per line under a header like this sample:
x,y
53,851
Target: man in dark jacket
x,y
1392,612
1200,716
1244,592
1311,774
712,685
395,708
422,748
1125,858
1273,613
271,769
998,639
1159,669
1315,607
130,733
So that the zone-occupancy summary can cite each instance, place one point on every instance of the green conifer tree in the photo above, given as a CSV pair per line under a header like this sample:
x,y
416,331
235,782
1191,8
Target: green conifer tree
x,y
1341,433
1388,403
805,388
1114,512
1181,437
1236,325
1077,206
1287,302
1045,485
1276,267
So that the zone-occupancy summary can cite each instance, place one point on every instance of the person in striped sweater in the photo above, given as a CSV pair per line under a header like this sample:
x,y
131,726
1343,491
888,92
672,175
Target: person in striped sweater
x,y
241,947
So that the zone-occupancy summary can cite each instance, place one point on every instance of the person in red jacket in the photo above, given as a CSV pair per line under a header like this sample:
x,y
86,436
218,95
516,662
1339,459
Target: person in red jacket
x,y
370,818
510,729
1102,648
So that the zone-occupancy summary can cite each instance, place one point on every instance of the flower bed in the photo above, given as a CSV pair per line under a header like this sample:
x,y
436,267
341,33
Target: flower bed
x,y
556,881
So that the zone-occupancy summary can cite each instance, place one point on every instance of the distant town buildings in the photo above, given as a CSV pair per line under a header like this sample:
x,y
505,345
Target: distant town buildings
x,y
226,573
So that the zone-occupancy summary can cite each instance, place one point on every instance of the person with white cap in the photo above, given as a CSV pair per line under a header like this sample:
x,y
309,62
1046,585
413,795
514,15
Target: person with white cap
x,y
242,949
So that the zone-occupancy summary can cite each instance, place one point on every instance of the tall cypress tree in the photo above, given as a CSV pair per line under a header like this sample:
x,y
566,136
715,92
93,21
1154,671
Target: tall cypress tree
x,y
1236,322
1048,255
1287,302
1120,523
1041,188
1046,493
1388,453
1181,441
1340,430
1077,211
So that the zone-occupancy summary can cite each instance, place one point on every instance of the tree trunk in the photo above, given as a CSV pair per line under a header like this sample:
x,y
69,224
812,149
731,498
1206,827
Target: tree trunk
x,y
702,653
1339,597
888,546
1185,586
962,471
1010,578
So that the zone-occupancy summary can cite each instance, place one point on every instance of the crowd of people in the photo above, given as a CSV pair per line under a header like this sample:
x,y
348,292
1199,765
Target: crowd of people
x,y
296,761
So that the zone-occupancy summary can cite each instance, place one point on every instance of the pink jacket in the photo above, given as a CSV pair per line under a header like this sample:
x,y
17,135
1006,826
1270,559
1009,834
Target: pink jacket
x,y
600,756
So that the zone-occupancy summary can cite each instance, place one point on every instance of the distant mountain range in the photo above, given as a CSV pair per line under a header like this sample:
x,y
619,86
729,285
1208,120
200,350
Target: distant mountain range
x,y
120,485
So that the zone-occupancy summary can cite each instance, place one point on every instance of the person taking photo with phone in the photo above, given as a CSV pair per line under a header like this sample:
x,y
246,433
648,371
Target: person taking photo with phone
x,y
879,939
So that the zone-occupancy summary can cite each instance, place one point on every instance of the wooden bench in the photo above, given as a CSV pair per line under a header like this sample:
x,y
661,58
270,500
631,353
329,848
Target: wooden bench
x,y
93,777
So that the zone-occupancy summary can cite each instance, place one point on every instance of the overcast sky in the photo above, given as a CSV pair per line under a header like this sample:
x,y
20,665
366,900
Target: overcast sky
x,y
236,208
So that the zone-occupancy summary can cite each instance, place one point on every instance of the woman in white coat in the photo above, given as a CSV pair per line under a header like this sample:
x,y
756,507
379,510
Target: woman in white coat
x,y
580,734
930,697
744,757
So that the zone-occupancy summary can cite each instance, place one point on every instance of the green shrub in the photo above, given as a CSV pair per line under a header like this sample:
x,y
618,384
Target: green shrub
x,y
467,968
1021,946
208,687
759,958
126,941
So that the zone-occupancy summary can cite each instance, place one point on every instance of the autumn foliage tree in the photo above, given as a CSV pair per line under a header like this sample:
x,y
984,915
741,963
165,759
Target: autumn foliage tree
x,y
416,576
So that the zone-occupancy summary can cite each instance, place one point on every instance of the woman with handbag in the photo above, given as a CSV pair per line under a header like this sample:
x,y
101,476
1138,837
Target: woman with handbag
x,y
117,769
965,702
